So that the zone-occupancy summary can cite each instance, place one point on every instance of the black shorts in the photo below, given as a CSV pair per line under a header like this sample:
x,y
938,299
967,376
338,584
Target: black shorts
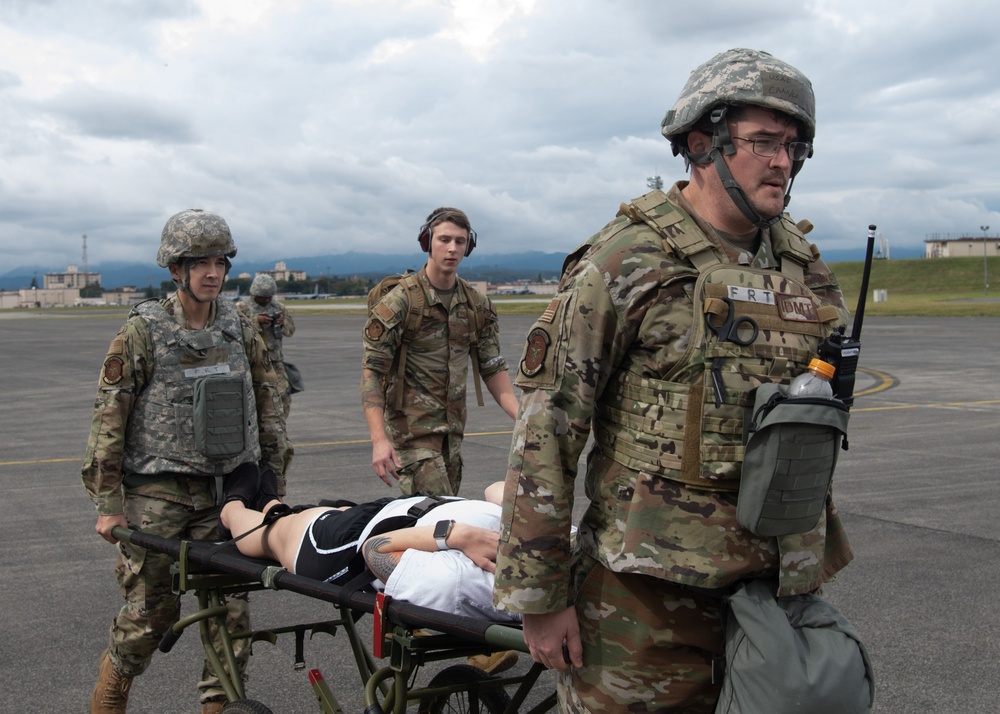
x,y
329,547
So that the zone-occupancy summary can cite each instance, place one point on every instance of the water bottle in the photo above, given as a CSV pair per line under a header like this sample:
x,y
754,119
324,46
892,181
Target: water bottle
x,y
814,382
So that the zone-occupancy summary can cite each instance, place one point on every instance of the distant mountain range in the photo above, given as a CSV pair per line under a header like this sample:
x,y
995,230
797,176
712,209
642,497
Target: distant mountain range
x,y
495,268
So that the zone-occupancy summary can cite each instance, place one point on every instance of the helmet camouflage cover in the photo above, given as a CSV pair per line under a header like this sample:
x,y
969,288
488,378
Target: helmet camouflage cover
x,y
742,77
263,286
194,234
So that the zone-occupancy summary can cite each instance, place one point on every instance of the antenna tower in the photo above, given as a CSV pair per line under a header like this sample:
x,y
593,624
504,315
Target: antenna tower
x,y
86,273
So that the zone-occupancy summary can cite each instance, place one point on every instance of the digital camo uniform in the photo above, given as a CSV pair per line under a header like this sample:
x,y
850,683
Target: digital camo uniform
x,y
427,432
623,350
135,465
274,345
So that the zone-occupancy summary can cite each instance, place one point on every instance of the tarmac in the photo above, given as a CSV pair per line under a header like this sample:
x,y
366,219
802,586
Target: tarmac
x,y
918,490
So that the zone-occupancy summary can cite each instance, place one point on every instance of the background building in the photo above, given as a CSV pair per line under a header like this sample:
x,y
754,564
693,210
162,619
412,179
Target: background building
x,y
72,278
281,272
962,247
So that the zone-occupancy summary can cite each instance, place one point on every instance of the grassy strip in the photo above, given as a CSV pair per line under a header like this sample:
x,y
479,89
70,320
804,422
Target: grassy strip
x,y
922,287
925,287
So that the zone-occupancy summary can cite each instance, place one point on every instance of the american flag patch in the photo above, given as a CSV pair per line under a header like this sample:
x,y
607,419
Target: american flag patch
x,y
550,311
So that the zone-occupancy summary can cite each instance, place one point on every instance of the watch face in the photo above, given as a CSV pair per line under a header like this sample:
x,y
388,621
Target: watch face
x,y
442,529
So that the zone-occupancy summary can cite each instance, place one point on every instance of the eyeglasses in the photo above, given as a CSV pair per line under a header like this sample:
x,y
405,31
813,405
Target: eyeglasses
x,y
768,147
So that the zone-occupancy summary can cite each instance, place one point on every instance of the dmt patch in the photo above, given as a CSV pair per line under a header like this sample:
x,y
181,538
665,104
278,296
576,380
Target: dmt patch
x,y
796,307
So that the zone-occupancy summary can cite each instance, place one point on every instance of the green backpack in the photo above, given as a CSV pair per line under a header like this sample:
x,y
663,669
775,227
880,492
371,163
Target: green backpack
x,y
415,315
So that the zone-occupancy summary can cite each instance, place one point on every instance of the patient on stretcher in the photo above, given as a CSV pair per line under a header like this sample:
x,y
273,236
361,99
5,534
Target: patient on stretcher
x,y
333,543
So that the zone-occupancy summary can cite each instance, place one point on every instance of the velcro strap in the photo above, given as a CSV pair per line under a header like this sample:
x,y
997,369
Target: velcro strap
x,y
421,508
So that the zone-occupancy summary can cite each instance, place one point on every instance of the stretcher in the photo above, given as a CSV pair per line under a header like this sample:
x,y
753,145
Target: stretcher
x,y
407,636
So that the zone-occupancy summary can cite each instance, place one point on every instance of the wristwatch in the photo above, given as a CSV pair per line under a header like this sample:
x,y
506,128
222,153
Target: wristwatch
x,y
441,532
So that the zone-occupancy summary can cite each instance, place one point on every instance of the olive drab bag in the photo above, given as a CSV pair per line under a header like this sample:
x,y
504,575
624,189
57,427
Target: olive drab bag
x,y
415,315
791,655
791,452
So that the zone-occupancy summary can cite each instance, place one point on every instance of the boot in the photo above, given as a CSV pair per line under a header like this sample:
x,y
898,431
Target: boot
x,y
111,691
214,706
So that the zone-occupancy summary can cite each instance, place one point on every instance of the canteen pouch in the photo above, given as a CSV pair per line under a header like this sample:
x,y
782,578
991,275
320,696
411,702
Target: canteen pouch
x,y
790,456
220,415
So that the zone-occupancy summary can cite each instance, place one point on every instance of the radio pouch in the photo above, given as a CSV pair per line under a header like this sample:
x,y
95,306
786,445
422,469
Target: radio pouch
x,y
220,415
791,451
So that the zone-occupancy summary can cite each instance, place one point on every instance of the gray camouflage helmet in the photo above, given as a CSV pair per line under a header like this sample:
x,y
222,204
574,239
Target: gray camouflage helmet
x,y
194,234
742,77
263,286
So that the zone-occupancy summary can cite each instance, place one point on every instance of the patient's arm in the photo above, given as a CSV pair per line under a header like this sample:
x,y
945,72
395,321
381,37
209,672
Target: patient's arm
x,y
382,552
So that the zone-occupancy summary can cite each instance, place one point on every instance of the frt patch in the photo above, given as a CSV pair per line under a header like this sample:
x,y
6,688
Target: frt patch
x,y
114,368
796,307
374,330
535,352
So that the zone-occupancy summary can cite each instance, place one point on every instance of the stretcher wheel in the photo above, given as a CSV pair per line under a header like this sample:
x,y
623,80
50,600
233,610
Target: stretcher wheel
x,y
245,706
493,701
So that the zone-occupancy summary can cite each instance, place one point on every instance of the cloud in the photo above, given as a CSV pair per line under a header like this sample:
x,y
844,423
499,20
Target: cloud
x,y
100,114
318,126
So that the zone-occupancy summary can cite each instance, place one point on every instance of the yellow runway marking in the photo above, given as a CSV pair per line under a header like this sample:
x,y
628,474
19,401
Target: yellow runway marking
x,y
884,381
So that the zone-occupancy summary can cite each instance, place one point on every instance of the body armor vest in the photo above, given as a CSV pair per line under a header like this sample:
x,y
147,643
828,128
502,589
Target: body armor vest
x,y
197,415
689,425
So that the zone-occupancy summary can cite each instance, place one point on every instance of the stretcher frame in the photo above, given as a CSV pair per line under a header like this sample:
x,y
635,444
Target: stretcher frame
x,y
408,635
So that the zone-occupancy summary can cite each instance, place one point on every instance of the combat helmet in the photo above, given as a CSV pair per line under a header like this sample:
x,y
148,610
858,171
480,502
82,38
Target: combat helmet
x,y
739,77
263,286
194,234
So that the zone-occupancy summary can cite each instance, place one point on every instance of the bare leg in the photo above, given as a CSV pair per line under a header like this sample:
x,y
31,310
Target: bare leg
x,y
279,541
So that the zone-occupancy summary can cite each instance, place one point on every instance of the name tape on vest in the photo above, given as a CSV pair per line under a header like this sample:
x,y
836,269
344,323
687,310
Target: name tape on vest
x,y
195,372
757,295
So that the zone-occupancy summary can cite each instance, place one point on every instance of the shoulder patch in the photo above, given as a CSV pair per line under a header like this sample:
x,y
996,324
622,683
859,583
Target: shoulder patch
x,y
383,312
550,311
117,347
114,368
374,330
535,352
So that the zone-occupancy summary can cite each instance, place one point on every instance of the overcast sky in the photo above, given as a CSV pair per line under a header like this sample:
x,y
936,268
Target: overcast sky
x,y
325,126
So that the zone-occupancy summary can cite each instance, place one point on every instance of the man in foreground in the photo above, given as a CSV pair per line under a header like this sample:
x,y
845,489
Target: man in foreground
x,y
632,350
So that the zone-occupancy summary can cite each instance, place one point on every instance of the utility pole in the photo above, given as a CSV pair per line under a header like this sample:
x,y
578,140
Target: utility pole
x,y
986,279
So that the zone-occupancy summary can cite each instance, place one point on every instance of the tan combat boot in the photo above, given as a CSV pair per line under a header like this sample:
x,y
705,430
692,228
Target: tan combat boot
x,y
111,691
215,706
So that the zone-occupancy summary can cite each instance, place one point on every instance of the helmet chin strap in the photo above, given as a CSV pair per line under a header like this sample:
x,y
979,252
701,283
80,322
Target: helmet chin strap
x,y
722,142
185,284
738,195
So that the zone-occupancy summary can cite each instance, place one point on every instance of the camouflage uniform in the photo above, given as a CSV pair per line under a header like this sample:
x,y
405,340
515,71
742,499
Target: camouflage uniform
x,y
427,433
621,352
171,498
252,309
